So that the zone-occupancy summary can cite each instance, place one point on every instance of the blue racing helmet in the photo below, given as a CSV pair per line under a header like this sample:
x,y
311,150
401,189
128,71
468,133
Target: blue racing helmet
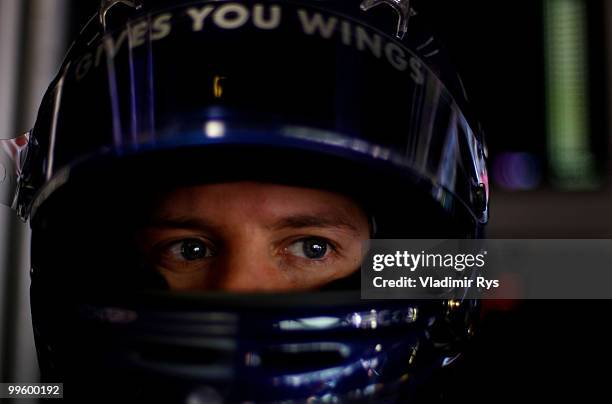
x,y
356,97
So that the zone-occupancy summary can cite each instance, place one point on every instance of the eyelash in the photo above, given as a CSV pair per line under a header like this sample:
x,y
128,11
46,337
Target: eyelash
x,y
334,249
164,248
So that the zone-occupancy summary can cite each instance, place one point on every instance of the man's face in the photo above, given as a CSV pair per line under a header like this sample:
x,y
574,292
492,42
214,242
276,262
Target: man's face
x,y
248,236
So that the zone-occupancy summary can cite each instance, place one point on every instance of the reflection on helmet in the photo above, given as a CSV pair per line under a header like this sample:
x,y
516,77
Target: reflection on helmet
x,y
318,95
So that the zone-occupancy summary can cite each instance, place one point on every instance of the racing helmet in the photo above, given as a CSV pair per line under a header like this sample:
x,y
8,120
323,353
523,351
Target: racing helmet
x,y
355,97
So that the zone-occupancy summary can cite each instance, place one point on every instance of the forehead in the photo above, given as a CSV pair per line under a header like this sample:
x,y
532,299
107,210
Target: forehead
x,y
255,199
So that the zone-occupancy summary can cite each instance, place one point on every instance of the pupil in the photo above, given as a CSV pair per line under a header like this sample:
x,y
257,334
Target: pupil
x,y
314,248
193,250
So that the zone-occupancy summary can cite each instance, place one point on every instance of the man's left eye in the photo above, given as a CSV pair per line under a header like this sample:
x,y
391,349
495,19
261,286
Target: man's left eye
x,y
311,248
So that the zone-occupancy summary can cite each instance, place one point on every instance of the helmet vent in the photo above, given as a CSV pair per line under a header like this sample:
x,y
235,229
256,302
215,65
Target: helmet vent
x,y
304,357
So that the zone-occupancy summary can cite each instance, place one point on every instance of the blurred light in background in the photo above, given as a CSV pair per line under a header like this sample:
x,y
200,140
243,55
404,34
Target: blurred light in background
x,y
214,129
517,171
32,43
572,164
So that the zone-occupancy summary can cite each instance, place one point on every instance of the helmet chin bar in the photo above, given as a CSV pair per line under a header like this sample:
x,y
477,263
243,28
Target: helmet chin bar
x,y
277,348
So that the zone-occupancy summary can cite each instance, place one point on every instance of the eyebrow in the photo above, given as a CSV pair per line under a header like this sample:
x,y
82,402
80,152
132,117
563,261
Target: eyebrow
x,y
290,222
321,221
180,222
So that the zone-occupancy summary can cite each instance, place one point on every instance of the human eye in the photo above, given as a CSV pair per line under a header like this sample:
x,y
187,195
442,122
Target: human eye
x,y
311,248
190,250
184,254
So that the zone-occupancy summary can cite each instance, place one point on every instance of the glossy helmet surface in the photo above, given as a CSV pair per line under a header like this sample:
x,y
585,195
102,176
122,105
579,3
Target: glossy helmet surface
x,y
351,96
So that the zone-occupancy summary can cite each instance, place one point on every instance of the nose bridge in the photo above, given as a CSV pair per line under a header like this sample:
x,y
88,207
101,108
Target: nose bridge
x,y
247,265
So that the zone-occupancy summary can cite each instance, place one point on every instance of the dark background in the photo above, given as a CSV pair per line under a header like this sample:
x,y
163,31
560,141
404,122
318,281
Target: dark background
x,y
536,350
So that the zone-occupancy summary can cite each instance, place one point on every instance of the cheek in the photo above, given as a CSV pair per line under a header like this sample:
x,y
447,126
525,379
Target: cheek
x,y
319,277
347,268
185,281
357,252
349,264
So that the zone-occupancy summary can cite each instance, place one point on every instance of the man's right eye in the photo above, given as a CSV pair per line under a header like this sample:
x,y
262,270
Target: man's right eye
x,y
190,250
